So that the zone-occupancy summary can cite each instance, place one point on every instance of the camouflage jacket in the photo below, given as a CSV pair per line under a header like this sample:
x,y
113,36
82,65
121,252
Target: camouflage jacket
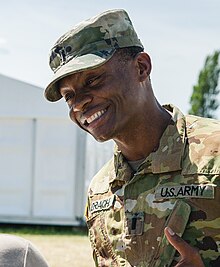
x,y
178,185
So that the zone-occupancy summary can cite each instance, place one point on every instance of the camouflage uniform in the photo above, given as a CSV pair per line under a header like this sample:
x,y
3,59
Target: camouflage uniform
x,y
176,186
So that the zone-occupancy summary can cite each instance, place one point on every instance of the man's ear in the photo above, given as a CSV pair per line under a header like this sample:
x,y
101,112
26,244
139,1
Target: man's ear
x,y
143,64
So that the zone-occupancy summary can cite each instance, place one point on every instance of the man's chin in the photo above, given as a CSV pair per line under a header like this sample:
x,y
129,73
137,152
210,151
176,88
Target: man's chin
x,y
101,138
98,138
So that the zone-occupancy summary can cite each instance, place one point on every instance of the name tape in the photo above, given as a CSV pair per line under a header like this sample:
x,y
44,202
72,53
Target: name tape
x,y
102,204
185,191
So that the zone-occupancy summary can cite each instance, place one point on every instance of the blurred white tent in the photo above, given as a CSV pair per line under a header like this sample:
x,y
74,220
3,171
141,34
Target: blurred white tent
x,y
46,162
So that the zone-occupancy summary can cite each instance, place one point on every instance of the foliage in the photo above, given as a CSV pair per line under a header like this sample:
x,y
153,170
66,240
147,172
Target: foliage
x,y
204,97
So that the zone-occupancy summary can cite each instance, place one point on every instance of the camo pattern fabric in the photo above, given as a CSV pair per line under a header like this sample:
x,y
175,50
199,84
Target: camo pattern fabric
x,y
89,44
178,186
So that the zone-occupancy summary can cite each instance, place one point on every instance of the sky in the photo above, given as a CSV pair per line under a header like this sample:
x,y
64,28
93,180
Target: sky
x,y
178,35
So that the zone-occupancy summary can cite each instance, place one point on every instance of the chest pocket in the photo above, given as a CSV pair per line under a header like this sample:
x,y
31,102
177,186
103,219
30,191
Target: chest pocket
x,y
177,221
106,226
150,246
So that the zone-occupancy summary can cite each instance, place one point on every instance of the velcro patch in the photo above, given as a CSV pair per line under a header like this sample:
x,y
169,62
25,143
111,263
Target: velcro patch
x,y
185,191
102,204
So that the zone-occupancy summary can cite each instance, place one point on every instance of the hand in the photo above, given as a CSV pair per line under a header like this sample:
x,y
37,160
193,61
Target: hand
x,y
189,256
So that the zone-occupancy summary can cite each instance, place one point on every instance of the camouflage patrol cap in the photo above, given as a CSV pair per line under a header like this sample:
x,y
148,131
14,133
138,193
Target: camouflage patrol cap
x,y
88,45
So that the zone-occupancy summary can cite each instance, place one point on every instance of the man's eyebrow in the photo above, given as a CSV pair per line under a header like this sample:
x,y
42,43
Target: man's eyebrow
x,y
63,89
89,75
92,72
81,75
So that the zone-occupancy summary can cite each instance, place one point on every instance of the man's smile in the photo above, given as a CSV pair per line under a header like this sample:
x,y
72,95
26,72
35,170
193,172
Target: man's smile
x,y
95,116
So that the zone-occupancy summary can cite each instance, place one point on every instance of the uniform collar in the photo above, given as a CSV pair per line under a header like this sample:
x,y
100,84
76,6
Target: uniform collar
x,y
168,156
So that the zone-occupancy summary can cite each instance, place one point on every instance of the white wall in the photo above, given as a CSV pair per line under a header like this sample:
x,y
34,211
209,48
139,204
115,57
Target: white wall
x,y
37,170
46,162
16,138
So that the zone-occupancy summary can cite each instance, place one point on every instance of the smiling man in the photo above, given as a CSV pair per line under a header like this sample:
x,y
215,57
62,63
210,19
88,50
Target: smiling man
x,y
157,202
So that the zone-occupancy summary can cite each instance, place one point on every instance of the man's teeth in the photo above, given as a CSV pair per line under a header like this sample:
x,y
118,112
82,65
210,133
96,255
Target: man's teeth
x,y
95,116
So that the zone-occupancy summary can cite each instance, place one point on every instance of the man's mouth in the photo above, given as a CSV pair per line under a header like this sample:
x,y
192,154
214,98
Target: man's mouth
x,y
86,121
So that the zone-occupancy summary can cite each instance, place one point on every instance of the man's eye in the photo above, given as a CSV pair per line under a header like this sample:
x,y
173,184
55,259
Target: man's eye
x,y
90,81
93,80
68,97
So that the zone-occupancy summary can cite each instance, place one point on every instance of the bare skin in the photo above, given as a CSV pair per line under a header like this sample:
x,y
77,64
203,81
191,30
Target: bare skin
x,y
115,102
134,119
189,255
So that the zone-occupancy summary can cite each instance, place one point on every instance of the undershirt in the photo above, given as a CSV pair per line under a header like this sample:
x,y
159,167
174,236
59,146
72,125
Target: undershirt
x,y
134,164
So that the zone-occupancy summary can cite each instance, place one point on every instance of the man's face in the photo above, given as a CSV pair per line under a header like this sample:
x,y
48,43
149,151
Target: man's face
x,y
103,101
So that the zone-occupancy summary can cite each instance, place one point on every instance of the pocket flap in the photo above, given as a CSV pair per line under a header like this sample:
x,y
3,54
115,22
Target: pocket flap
x,y
177,221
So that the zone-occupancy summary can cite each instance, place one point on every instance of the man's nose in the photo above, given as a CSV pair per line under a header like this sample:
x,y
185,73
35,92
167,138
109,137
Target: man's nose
x,y
81,101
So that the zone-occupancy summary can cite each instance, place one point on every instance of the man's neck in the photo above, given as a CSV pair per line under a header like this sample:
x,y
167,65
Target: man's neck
x,y
144,138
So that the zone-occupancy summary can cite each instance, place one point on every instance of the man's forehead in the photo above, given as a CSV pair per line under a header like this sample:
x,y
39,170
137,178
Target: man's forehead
x,y
78,76
83,74
65,82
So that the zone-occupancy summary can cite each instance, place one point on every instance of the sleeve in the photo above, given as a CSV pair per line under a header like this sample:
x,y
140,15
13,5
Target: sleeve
x,y
86,214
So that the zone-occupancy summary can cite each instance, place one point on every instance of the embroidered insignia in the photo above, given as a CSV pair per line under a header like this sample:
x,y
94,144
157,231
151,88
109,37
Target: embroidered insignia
x,y
135,223
102,204
185,191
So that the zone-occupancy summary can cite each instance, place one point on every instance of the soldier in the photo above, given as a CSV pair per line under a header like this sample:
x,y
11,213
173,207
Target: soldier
x,y
157,201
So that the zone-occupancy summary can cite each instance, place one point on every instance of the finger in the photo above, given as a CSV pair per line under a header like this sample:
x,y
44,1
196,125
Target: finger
x,y
189,255
178,243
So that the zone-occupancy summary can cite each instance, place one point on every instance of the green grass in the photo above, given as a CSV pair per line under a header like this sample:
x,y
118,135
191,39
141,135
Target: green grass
x,y
42,230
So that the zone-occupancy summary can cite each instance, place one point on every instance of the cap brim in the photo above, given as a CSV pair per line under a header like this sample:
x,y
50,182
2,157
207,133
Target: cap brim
x,y
77,64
